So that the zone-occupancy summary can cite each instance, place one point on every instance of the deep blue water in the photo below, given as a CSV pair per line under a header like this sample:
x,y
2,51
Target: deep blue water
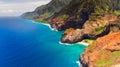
x,y
24,43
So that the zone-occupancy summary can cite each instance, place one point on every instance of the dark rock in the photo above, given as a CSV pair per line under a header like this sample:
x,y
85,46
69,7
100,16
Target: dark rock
x,y
93,29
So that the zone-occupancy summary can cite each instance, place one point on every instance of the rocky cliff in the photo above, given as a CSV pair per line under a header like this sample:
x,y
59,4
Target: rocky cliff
x,y
78,11
86,19
47,10
93,28
104,52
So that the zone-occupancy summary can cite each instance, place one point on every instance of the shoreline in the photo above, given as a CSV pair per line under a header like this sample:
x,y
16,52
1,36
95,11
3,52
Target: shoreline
x,y
49,26
83,43
80,43
45,25
64,43
78,63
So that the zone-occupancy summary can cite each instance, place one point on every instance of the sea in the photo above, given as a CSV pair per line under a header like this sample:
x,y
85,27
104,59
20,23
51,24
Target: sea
x,y
25,43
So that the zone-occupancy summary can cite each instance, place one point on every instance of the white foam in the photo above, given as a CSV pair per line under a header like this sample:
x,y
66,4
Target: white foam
x,y
78,63
49,26
45,25
64,43
83,43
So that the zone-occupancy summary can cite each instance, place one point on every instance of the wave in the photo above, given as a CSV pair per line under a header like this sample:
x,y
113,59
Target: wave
x,y
83,43
49,26
64,43
78,63
45,25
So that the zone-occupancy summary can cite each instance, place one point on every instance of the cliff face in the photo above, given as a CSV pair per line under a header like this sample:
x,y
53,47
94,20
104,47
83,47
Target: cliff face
x,y
47,10
104,52
86,19
93,28
78,11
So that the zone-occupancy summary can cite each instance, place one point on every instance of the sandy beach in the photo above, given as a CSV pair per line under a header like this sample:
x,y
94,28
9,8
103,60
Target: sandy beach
x,y
83,43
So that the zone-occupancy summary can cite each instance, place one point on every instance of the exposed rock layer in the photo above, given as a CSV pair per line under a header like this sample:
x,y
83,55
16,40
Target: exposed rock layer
x,y
87,19
104,52
78,11
93,28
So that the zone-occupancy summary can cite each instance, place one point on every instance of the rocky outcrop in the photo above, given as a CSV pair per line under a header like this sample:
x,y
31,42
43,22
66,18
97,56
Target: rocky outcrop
x,y
72,36
96,26
104,52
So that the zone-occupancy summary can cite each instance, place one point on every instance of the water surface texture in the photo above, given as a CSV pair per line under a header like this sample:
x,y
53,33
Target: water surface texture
x,y
24,43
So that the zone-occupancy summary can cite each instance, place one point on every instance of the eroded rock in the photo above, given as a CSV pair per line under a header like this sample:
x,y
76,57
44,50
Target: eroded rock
x,y
104,52
93,28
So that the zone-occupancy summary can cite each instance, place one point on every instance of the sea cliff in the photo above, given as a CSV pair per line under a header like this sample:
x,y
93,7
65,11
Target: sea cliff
x,y
104,52
43,12
93,28
98,20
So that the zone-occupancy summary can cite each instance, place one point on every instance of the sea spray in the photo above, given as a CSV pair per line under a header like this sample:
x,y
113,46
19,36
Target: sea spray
x,y
78,63
64,43
45,25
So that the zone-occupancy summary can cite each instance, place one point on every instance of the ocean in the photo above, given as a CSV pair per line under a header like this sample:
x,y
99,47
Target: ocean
x,y
25,43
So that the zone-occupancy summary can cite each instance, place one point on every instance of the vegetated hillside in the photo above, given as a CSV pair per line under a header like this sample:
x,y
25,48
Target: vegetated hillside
x,y
93,28
92,19
47,10
104,52
78,11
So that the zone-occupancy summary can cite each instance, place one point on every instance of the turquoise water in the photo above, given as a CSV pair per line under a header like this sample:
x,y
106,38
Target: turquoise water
x,y
24,43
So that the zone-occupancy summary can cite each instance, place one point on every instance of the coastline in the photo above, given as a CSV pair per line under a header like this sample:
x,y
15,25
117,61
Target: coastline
x,y
80,43
64,43
48,26
45,25
78,63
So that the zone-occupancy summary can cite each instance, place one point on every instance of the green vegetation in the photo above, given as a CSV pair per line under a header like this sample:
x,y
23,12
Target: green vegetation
x,y
113,56
96,7
88,40
98,10
90,47
117,12
52,7
62,17
101,63
42,21
99,29
46,15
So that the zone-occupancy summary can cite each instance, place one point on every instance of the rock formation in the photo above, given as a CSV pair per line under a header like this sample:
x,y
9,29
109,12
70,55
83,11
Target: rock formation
x,y
86,19
78,12
104,52
93,28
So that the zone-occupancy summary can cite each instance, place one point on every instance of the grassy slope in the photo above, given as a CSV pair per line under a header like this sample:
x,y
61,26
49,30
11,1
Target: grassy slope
x,y
47,10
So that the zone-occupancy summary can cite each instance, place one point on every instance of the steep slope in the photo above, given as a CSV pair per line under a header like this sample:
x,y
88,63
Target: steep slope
x,y
104,52
78,11
47,10
93,28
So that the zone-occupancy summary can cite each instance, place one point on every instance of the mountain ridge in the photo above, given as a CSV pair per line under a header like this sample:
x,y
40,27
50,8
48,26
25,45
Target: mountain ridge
x,y
46,10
